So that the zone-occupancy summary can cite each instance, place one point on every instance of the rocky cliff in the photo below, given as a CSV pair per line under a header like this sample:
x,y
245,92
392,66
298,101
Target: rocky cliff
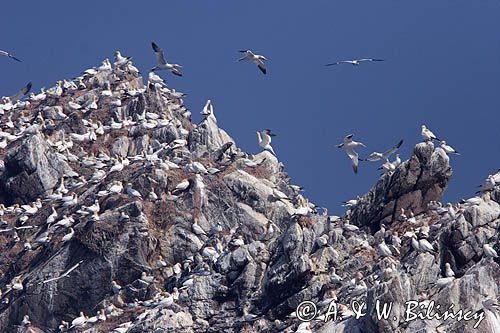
x,y
120,214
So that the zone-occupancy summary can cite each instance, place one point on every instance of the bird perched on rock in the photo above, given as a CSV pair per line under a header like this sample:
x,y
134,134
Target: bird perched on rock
x,y
427,135
264,138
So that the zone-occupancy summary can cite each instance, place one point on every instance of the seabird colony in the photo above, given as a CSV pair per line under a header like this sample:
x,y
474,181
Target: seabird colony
x,y
61,226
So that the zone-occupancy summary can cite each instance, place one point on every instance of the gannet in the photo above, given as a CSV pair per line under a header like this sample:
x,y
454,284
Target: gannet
x,y
106,65
238,241
147,278
376,156
448,149
427,135
443,282
79,321
197,229
162,64
120,60
182,186
347,226
115,287
26,321
21,93
489,251
39,97
52,217
160,263
74,106
66,221
448,272
68,236
360,288
350,203
384,250
264,138
304,327
354,62
255,58
425,246
208,109
7,54
123,328
132,192
490,308
116,188
279,196
70,200
349,146
210,252
390,167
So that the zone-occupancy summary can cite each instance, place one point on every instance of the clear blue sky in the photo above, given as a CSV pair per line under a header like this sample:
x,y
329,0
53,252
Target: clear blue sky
x,y
442,68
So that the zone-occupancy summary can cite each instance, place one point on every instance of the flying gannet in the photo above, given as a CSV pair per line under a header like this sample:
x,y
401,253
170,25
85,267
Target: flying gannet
x,y
349,146
162,64
21,93
255,58
354,62
7,54
376,156
264,138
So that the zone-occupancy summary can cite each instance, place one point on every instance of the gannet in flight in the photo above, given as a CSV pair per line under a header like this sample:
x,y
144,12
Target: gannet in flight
x,y
265,140
376,156
354,62
7,54
21,93
349,146
427,135
256,59
448,149
162,64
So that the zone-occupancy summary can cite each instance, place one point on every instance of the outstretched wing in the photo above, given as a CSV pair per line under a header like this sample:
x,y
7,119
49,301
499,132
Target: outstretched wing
x,y
160,57
354,159
262,67
21,93
391,151
369,59
7,54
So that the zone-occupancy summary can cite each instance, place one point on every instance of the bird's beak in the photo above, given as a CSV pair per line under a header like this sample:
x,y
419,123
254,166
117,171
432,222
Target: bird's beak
x,y
272,134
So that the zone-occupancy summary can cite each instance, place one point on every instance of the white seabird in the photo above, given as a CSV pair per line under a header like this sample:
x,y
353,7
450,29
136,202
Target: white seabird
x,y
448,272
79,321
255,58
489,251
208,109
427,135
7,54
349,146
264,138
162,64
21,93
376,156
448,149
354,62
68,236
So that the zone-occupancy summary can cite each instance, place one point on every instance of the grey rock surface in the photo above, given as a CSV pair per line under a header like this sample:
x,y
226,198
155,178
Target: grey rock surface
x,y
191,229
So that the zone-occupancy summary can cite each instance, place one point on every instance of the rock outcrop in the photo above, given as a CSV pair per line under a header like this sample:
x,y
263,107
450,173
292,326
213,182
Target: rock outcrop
x,y
121,208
